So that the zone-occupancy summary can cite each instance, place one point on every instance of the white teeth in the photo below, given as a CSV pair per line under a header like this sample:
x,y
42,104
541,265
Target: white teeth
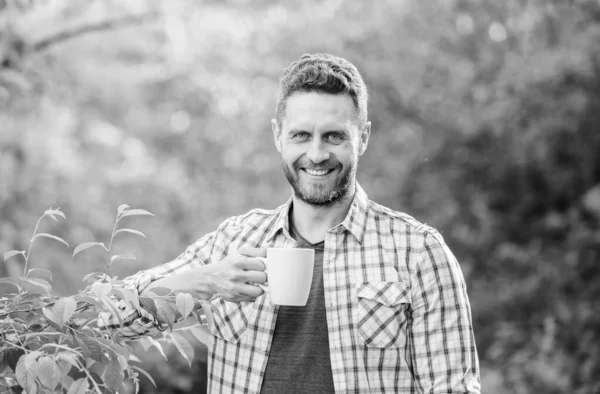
x,y
316,172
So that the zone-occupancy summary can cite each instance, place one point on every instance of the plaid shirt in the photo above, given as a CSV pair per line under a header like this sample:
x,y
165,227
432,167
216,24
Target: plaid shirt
x,y
398,315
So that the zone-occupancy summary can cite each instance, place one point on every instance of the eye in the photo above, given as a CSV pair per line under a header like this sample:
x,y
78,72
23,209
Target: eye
x,y
335,137
301,136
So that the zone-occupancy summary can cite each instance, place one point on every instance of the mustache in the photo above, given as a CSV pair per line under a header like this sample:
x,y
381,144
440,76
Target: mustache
x,y
327,165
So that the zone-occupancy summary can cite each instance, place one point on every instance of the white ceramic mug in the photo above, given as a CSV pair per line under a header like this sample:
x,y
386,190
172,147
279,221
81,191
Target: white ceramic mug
x,y
289,275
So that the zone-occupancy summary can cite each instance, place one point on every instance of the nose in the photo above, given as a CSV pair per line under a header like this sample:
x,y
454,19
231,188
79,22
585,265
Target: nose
x,y
317,152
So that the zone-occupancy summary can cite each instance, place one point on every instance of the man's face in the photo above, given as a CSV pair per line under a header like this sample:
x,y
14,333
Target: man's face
x,y
320,141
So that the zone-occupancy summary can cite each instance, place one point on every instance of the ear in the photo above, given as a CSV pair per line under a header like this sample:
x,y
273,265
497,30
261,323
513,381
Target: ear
x,y
364,138
276,134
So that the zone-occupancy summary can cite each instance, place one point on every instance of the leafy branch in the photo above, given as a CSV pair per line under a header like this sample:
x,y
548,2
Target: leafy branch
x,y
123,211
65,344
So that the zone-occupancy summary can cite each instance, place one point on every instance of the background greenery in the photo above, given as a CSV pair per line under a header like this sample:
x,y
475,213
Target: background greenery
x,y
485,125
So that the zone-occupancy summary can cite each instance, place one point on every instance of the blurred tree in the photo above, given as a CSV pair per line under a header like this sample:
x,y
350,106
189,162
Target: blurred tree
x,y
484,117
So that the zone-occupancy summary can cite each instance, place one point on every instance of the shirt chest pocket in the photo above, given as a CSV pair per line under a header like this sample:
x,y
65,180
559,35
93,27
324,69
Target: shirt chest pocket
x,y
382,313
230,319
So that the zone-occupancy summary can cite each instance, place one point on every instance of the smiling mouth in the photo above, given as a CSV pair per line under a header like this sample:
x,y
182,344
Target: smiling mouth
x,y
317,172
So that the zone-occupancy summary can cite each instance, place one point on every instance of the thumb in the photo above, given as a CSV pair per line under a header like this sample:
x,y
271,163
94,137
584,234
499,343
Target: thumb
x,y
252,252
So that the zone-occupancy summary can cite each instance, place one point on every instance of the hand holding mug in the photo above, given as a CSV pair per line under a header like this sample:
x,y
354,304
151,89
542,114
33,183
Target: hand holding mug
x,y
235,277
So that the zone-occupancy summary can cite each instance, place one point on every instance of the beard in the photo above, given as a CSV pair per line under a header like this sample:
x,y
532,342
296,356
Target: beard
x,y
320,194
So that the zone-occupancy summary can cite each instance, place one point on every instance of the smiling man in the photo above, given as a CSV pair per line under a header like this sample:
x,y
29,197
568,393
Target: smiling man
x,y
320,140
388,310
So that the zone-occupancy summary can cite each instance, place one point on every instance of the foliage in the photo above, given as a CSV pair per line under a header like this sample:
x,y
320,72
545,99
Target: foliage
x,y
64,344
484,125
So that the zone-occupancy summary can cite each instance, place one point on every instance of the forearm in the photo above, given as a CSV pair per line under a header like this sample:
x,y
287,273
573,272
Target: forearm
x,y
134,316
199,284
144,320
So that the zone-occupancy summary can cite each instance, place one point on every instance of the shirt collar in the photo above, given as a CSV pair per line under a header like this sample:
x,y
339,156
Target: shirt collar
x,y
281,222
355,221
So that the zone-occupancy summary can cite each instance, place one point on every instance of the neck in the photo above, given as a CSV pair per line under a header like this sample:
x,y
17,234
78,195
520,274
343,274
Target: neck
x,y
313,221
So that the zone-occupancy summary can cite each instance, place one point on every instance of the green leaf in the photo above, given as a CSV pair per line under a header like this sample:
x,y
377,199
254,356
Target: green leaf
x,y
158,347
121,350
31,358
12,281
80,386
37,285
144,343
54,237
146,374
48,372
87,299
201,333
185,304
64,369
87,245
25,376
34,321
69,358
136,212
63,309
113,375
164,312
129,230
122,208
94,275
84,347
184,347
200,317
148,304
11,325
41,273
50,316
101,289
124,363
122,257
12,253
97,368
209,309
90,348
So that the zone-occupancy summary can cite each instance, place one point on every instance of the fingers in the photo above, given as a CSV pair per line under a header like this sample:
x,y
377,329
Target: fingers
x,y
250,264
252,252
238,278
251,291
256,277
242,293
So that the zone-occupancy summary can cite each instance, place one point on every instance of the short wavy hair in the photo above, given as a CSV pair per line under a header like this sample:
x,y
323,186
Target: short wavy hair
x,y
324,73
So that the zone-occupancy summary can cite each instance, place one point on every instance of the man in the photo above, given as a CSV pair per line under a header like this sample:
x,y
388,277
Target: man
x,y
388,309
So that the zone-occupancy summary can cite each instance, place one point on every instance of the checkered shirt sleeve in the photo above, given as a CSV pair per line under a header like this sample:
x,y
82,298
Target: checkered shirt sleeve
x,y
444,355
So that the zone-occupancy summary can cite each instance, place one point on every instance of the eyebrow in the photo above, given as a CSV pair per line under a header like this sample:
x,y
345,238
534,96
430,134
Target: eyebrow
x,y
327,130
